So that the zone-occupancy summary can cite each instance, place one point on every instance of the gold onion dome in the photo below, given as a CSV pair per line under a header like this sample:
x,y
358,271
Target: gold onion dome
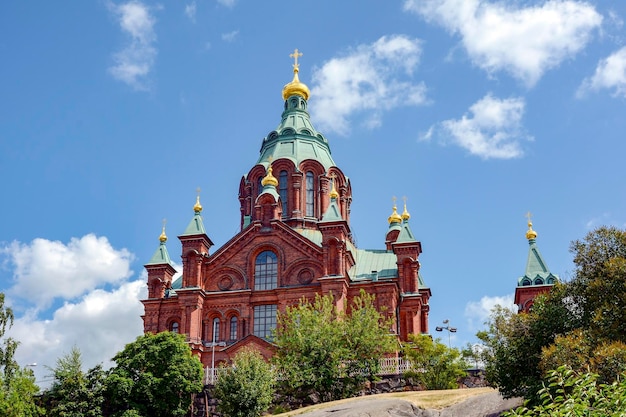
x,y
269,179
333,192
163,236
197,207
395,217
295,87
531,234
405,214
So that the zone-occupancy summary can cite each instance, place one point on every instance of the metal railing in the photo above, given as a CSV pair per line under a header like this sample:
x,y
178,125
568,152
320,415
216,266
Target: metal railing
x,y
387,366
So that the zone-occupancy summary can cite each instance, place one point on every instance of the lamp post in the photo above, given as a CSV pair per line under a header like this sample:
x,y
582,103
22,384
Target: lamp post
x,y
447,327
213,344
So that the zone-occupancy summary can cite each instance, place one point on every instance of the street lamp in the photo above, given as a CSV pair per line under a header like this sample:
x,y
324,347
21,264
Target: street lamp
x,y
448,328
213,344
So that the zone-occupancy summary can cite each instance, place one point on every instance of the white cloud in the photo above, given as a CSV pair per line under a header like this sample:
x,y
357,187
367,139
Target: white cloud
x,y
190,11
523,41
135,61
477,312
99,325
45,270
491,130
230,36
610,74
368,79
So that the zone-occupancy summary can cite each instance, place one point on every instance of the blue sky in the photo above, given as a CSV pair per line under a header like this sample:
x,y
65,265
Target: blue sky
x,y
114,113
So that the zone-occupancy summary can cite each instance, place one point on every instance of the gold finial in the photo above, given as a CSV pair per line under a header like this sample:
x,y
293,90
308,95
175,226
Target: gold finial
x,y
405,214
163,237
197,207
269,179
333,192
530,234
295,87
395,217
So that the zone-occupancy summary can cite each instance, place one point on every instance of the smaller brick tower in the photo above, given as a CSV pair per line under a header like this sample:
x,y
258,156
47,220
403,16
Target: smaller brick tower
x,y
538,279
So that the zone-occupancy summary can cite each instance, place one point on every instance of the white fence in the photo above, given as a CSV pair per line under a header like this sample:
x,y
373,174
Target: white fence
x,y
388,366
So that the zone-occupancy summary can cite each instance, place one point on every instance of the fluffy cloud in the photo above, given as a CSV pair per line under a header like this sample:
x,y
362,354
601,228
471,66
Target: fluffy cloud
x,y
135,61
610,74
44,270
368,79
477,312
99,325
491,130
523,41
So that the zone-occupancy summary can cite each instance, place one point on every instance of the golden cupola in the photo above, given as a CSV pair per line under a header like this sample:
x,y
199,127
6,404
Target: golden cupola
x,y
269,179
395,217
295,87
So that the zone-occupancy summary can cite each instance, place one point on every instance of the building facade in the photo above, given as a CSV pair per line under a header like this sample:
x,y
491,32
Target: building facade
x,y
537,279
295,241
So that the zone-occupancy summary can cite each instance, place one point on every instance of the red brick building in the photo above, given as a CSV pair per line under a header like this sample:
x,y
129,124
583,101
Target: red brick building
x,y
295,241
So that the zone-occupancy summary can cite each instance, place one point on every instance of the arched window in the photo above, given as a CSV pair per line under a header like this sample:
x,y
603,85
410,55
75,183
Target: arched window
x,y
174,327
266,271
310,195
216,329
538,281
233,328
282,190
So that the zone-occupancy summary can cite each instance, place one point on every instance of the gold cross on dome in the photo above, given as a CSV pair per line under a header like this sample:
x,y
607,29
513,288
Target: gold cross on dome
x,y
295,56
529,216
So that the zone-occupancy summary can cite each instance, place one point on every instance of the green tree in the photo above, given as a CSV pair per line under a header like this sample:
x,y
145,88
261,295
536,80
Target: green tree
x,y
435,365
154,376
245,389
568,393
73,392
329,352
17,385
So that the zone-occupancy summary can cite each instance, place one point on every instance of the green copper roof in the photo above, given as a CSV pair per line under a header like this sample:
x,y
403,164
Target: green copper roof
x,y
161,256
374,265
295,138
406,235
537,272
195,227
333,213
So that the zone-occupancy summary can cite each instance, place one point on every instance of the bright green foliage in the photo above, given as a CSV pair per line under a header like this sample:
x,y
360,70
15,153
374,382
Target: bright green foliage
x,y
570,394
17,385
75,393
435,365
328,352
154,376
17,395
245,389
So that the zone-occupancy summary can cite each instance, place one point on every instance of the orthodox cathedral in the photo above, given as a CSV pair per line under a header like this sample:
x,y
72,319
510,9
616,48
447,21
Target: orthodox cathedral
x,y
295,241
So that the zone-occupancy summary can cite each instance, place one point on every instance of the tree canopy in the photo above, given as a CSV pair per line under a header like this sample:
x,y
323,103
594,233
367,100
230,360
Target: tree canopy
x,y
329,352
73,392
435,365
245,389
154,376
17,385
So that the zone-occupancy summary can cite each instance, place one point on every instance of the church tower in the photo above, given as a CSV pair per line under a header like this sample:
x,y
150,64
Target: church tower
x,y
537,279
295,241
